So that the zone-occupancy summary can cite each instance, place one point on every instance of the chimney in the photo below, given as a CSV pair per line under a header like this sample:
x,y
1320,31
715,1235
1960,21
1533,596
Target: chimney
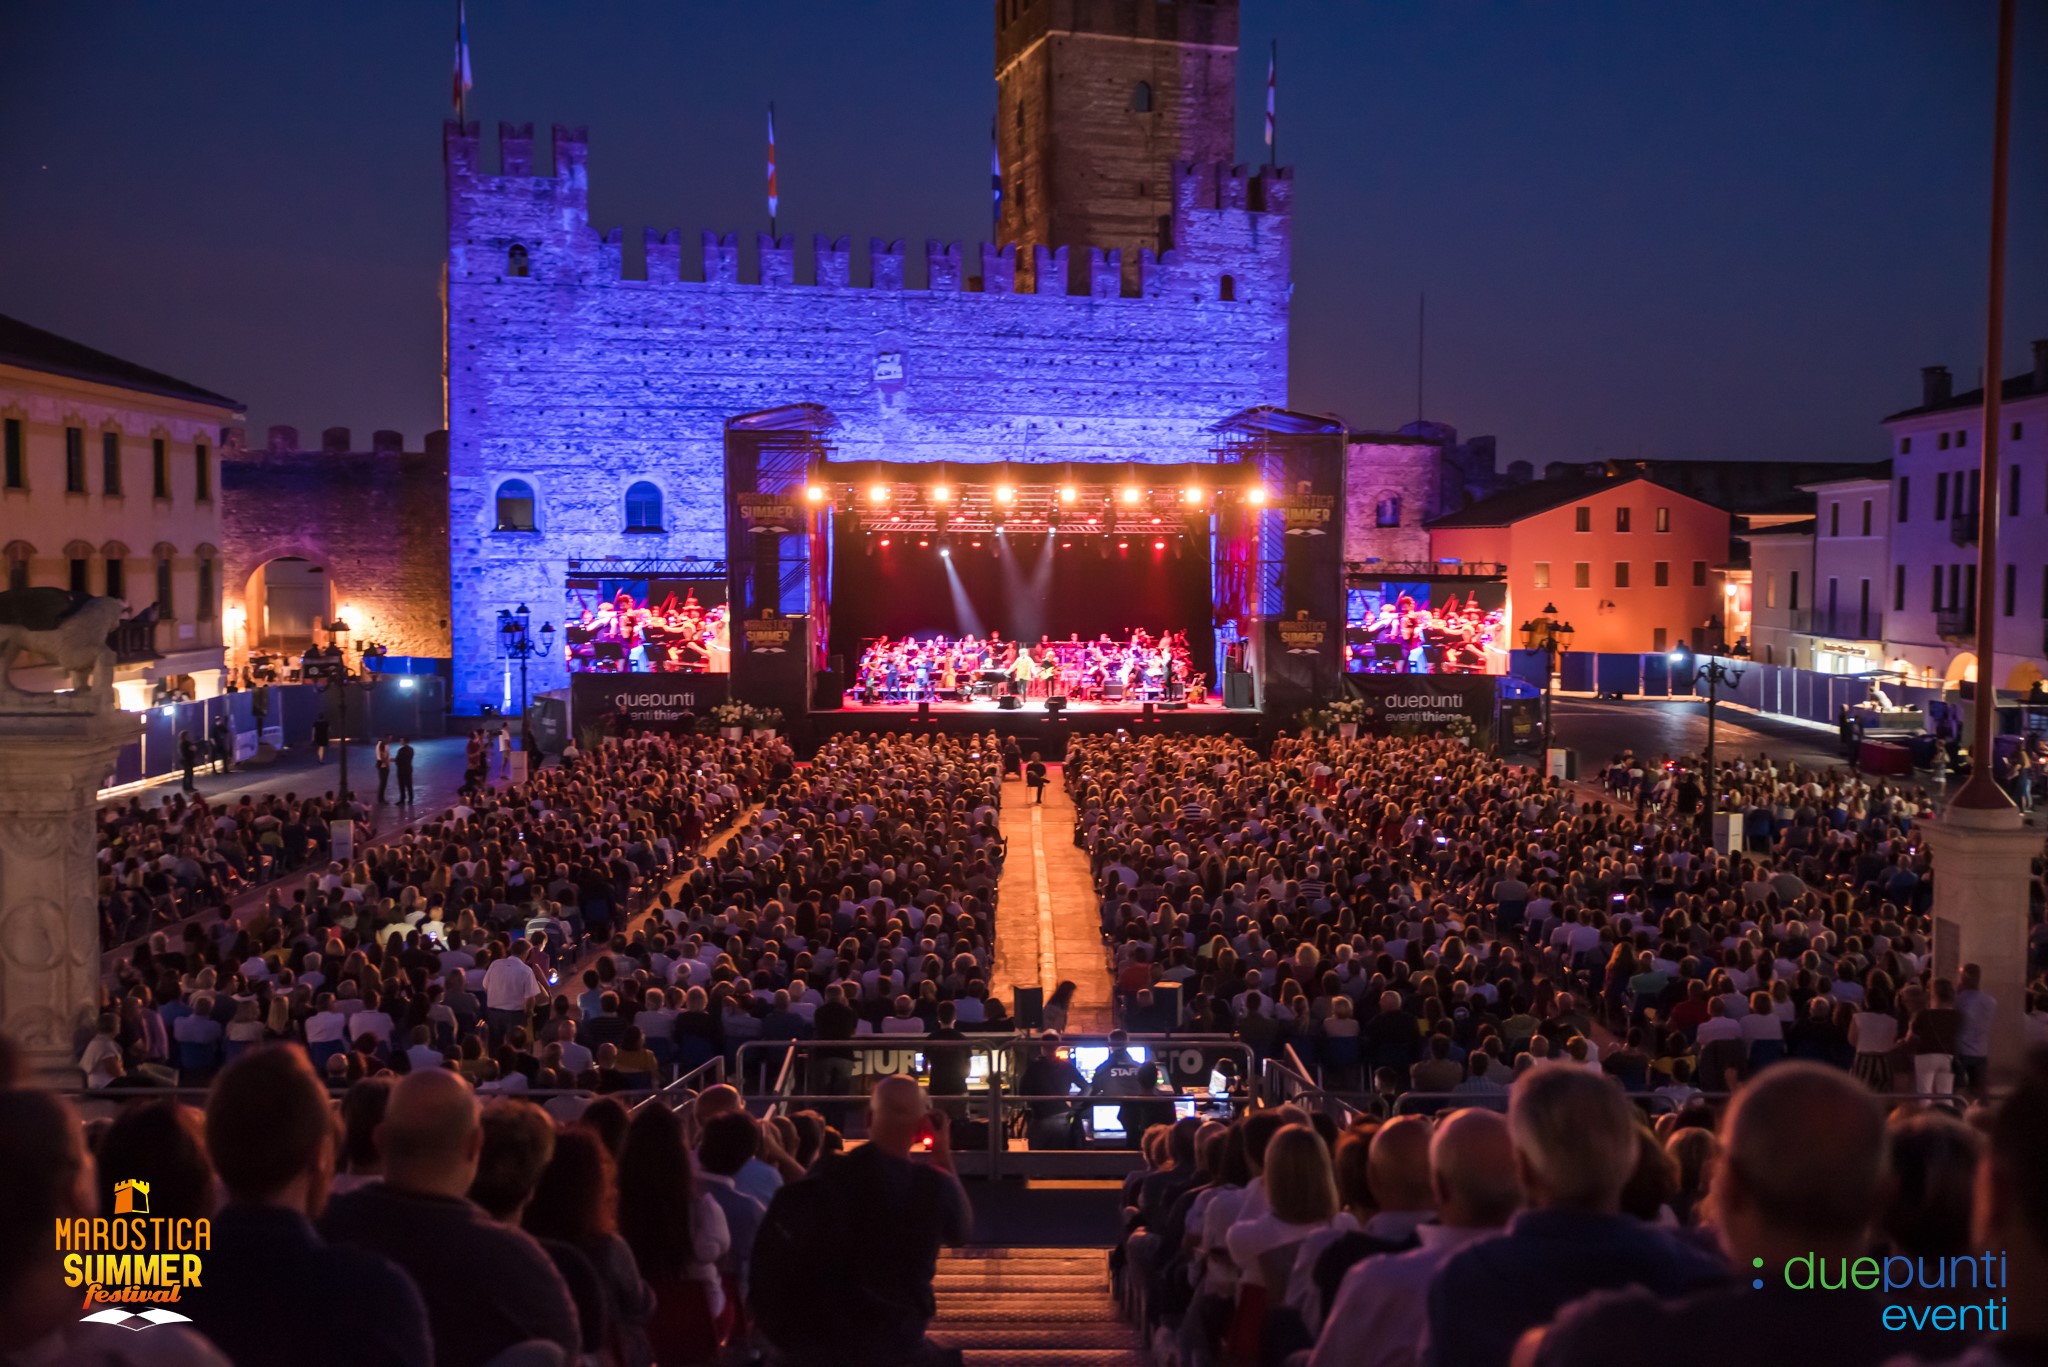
x,y
334,442
1935,385
385,442
283,439
437,444
2041,365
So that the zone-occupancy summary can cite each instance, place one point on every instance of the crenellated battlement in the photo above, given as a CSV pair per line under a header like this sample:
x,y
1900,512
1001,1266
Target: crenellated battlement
x,y
1229,222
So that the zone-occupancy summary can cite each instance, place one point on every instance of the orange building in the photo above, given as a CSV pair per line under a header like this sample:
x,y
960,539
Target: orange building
x,y
1631,564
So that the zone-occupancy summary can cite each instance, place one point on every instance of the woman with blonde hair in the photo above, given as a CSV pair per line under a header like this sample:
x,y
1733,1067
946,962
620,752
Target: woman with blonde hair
x,y
1301,1198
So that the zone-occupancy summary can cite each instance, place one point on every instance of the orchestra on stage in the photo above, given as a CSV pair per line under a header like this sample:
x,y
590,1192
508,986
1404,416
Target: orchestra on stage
x,y
1407,637
622,635
1142,668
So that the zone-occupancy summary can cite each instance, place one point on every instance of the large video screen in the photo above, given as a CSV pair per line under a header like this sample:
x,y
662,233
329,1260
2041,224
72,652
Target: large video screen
x,y
646,626
1426,626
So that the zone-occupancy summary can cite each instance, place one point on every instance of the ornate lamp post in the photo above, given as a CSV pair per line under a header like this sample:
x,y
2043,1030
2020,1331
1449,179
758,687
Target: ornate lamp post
x,y
515,642
1553,638
1713,672
328,669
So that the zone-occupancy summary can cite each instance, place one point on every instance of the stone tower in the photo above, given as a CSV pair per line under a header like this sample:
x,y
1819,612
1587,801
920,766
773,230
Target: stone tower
x,y
1096,100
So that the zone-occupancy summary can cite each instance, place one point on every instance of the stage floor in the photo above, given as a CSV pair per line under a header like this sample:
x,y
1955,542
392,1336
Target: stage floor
x,y
1033,726
989,707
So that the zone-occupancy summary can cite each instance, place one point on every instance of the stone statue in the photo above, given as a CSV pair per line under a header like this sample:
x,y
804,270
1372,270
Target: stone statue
x,y
69,630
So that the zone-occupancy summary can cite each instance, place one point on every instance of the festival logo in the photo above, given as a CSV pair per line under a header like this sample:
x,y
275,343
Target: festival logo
x,y
1307,514
769,634
1300,635
770,514
132,1258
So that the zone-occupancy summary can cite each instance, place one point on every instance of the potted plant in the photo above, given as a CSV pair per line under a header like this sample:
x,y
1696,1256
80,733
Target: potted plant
x,y
1347,713
731,719
1313,720
765,721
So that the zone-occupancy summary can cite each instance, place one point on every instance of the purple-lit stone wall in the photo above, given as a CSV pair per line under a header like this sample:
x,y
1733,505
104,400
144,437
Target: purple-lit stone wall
x,y
581,382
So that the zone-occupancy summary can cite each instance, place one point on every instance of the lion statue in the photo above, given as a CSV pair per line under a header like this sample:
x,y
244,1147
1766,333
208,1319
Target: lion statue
x,y
69,630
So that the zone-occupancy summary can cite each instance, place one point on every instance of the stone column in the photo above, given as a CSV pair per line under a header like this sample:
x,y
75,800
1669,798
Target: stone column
x,y
1983,863
55,752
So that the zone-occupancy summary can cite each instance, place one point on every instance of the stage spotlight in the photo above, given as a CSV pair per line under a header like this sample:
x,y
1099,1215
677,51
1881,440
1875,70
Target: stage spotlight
x,y
814,493
1123,545
922,543
1068,493
1159,545
1155,522
1194,493
878,493
940,493
1131,494
975,544
1256,495
1066,545
1005,493
885,543
946,551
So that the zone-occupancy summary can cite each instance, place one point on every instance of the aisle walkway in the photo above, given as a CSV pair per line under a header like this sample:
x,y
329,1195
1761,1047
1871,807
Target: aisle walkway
x,y
1047,928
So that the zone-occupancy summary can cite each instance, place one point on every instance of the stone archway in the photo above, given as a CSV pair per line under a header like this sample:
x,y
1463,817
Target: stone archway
x,y
1962,668
285,600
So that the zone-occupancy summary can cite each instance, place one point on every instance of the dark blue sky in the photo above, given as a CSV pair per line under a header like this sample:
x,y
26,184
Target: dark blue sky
x,y
1713,229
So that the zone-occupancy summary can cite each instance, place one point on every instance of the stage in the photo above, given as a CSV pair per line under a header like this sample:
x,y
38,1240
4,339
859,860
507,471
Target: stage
x,y
1033,726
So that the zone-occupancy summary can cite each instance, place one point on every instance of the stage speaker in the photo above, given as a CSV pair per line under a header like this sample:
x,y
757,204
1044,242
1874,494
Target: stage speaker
x,y
1150,707
1028,1008
1166,1006
1011,703
1237,688
1173,704
924,710
1056,704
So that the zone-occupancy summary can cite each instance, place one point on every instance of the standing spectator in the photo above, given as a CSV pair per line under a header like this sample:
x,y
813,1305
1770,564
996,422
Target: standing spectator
x,y
320,737
510,985
677,1234
223,745
383,757
404,757
1931,1042
1377,1318
269,1275
1975,1009
188,759
729,1144
494,1287
1575,1141
1034,778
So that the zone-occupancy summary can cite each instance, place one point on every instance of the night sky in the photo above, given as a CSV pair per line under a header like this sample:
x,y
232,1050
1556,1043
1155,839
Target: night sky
x,y
1713,229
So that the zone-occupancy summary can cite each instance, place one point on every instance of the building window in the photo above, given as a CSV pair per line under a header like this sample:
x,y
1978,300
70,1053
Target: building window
x,y
643,507
1699,579
1582,574
1905,446
1582,519
1834,519
1540,574
1905,494
1941,442
1621,519
117,577
1660,574
16,462
515,506
202,473
74,460
1899,588
1387,512
1962,440
2018,430
1792,590
1663,519
166,607
516,262
1660,639
1621,574
1770,588
110,462
160,467
1941,497
2012,491
81,574
1141,98
207,606
1866,517
2012,585
1934,596
17,572
1227,290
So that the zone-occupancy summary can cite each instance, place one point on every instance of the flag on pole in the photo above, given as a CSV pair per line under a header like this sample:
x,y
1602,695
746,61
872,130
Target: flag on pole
x,y
773,198
462,76
1272,86
995,175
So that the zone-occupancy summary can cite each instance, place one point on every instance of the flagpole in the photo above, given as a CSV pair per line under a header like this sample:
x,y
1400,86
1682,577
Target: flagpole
x,y
1272,105
771,172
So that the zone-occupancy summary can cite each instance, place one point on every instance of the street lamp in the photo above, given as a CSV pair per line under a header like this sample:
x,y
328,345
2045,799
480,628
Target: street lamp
x,y
1713,672
328,670
1553,638
515,642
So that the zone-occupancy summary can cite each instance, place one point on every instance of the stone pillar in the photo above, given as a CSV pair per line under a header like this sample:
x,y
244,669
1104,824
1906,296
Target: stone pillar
x,y
55,752
1983,863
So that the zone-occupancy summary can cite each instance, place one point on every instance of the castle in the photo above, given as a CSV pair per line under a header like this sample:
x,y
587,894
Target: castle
x,y
1140,296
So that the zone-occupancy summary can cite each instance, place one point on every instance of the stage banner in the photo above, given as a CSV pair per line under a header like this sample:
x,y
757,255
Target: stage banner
x,y
664,702
1304,513
1429,705
771,662
771,514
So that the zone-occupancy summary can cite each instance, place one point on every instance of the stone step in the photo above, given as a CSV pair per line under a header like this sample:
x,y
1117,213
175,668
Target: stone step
x,y
1112,1335
1098,1308
1054,1357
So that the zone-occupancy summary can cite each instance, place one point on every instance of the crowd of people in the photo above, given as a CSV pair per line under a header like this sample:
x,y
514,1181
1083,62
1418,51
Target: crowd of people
x,y
930,668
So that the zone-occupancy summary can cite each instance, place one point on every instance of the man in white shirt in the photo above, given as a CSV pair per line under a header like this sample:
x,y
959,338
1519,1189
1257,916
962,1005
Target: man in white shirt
x,y
509,986
1379,1318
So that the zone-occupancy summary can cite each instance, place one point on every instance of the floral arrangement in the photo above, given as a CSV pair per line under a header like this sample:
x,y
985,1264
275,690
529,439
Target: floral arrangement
x,y
1346,710
728,715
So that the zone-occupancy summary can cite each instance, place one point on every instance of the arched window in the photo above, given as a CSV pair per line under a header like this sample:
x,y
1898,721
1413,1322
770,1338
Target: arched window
x,y
18,554
1227,291
1141,98
1387,512
515,261
515,506
643,508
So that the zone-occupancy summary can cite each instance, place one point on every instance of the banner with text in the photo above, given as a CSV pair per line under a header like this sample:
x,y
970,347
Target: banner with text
x,y
1429,704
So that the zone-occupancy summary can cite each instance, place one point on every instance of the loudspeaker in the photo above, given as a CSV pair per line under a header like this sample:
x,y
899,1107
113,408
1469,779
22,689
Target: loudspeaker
x,y
1237,688
924,710
1028,1007
1011,703
1150,707
1173,704
1166,1005
1056,705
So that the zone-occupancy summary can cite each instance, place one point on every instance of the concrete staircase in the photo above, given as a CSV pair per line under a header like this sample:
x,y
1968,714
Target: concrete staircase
x,y
1022,1307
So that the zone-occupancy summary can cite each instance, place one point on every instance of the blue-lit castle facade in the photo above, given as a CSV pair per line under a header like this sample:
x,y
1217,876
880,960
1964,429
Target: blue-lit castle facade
x,y
587,409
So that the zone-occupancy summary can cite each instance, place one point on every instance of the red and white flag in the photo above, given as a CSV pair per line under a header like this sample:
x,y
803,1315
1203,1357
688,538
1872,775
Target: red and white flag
x,y
462,76
774,199
1272,86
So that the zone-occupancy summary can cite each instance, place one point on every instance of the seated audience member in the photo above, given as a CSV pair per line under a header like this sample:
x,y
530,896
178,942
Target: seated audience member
x,y
269,1276
1377,1318
163,1145
677,1234
519,1141
1575,1141
824,1297
49,1177
1803,1173
488,1288
728,1145
1397,1171
576,1203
